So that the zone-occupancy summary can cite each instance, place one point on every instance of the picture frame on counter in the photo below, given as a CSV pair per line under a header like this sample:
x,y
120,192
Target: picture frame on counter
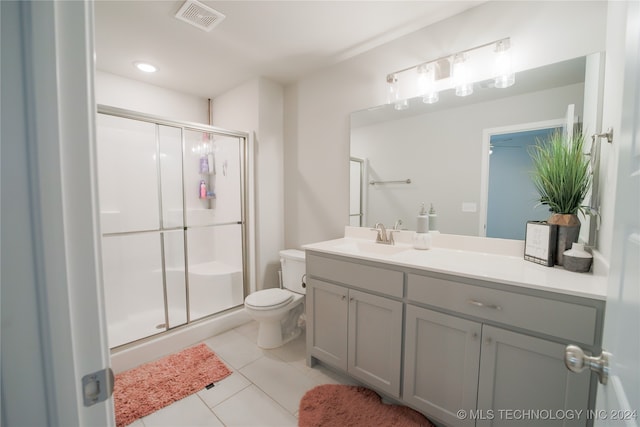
x,y
540,242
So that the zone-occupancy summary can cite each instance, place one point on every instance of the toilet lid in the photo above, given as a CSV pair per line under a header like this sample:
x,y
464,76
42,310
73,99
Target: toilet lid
x,y
269,298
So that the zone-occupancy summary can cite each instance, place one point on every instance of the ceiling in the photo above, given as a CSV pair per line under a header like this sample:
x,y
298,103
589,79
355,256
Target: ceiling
x,y
280,40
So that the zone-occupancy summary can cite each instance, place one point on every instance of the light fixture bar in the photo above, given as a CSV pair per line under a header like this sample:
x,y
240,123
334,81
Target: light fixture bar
x,y
505,40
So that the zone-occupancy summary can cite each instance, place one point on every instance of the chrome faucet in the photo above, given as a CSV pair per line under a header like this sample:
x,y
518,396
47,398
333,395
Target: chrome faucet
x,y
382,234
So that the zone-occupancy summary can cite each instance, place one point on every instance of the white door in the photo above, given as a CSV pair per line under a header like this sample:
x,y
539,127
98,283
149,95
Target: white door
x,y
620,398
53,329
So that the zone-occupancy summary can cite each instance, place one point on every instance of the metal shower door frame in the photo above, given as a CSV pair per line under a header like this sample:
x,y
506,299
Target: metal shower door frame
x,y
244,202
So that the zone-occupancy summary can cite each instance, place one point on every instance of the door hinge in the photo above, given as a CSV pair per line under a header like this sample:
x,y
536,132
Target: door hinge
x,y
97,387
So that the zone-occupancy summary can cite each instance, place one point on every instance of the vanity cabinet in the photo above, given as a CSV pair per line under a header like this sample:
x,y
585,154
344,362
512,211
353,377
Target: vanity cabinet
x,y
441,364
507,360
495,351
521,372
327,322
453,363
353,330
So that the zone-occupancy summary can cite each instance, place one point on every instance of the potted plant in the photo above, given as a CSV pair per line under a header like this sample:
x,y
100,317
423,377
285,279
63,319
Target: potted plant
x,y
562,176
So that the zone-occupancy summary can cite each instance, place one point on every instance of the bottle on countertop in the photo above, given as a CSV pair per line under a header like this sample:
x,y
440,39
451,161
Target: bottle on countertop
x,y
433,219
422,238
423,220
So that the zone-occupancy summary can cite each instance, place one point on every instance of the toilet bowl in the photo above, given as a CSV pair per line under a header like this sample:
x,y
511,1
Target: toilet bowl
x,y
278,310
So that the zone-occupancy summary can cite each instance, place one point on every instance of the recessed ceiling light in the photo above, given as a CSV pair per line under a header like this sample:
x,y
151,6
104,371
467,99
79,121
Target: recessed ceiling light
x,y
146,67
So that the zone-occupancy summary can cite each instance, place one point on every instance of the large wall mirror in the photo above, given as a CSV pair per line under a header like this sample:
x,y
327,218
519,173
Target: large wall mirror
x,y
468,156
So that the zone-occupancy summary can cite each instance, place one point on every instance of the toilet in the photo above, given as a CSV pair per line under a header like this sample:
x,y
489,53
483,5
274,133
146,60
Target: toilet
x,y
276,310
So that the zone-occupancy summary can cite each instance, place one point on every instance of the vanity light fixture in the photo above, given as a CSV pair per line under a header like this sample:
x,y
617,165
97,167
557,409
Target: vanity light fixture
x,y
461,80
427,83
392,88
393,93
503,68
145,66
490,61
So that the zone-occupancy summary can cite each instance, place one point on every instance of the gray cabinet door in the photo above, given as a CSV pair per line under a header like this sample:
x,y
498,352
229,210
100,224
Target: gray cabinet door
x,y
441,364
327,317
375,341
520,374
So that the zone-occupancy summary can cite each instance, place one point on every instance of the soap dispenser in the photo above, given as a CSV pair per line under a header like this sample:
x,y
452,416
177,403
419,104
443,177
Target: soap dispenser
x,y
423,220
422,238
433,219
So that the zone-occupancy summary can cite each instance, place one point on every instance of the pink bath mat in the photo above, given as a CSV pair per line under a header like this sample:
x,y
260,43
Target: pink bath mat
x,y
154,385
346,405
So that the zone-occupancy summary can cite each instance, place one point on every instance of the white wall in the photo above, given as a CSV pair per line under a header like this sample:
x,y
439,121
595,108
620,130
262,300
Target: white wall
x,y
441,152
611,117
121,92
257,107
317,108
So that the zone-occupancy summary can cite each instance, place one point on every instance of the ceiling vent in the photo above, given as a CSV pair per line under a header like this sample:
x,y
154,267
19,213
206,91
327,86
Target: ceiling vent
x,y
199,15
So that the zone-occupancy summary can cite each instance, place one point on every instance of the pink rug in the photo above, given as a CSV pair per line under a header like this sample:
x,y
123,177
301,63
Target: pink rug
x,y
345,405
152,386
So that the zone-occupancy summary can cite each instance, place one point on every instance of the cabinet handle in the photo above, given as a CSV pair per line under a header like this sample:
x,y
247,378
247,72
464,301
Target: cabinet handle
x,y
482,304
351,299
344,297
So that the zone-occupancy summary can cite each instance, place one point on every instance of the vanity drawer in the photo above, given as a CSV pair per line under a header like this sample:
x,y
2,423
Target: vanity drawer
x,y
572,322
380,280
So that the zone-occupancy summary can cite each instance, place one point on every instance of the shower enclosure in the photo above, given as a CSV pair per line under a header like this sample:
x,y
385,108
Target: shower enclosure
x,y
172,207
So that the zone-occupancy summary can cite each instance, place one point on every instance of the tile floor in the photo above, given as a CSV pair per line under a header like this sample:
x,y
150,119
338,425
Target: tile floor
x,y
264,389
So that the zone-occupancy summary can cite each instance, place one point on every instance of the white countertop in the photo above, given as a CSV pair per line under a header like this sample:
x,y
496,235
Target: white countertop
x,y
496,260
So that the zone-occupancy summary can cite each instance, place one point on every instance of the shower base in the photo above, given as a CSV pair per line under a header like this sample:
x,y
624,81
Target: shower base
x,y
169,342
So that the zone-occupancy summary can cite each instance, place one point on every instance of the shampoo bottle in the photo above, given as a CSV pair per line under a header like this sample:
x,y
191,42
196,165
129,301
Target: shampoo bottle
x,y
423,221
433,219
204,164
203,189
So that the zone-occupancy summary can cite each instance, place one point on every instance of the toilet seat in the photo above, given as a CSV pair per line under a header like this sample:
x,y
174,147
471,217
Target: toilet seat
x,y
268,299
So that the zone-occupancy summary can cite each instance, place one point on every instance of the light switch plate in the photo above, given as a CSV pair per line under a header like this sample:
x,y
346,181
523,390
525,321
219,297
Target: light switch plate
x,y
469,207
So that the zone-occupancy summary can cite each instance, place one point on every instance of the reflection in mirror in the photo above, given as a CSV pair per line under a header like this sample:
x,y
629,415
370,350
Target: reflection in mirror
x,y
509,201
444,150
356,190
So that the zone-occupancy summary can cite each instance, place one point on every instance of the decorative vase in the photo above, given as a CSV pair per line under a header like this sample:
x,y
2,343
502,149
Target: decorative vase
x,y
568,232
577,259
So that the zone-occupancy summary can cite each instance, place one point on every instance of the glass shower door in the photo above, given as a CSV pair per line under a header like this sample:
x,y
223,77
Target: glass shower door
x,y
130,222
172,224
213,198
172,219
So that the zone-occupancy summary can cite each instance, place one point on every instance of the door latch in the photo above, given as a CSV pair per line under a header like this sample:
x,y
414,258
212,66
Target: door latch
x,y
577,361
97,387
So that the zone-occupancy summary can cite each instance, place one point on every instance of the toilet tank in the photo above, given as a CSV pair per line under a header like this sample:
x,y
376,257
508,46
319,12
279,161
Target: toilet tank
x,y
293,269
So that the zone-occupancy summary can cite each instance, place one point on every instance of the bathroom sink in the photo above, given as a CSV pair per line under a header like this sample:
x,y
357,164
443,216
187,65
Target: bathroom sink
x,y
371,248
